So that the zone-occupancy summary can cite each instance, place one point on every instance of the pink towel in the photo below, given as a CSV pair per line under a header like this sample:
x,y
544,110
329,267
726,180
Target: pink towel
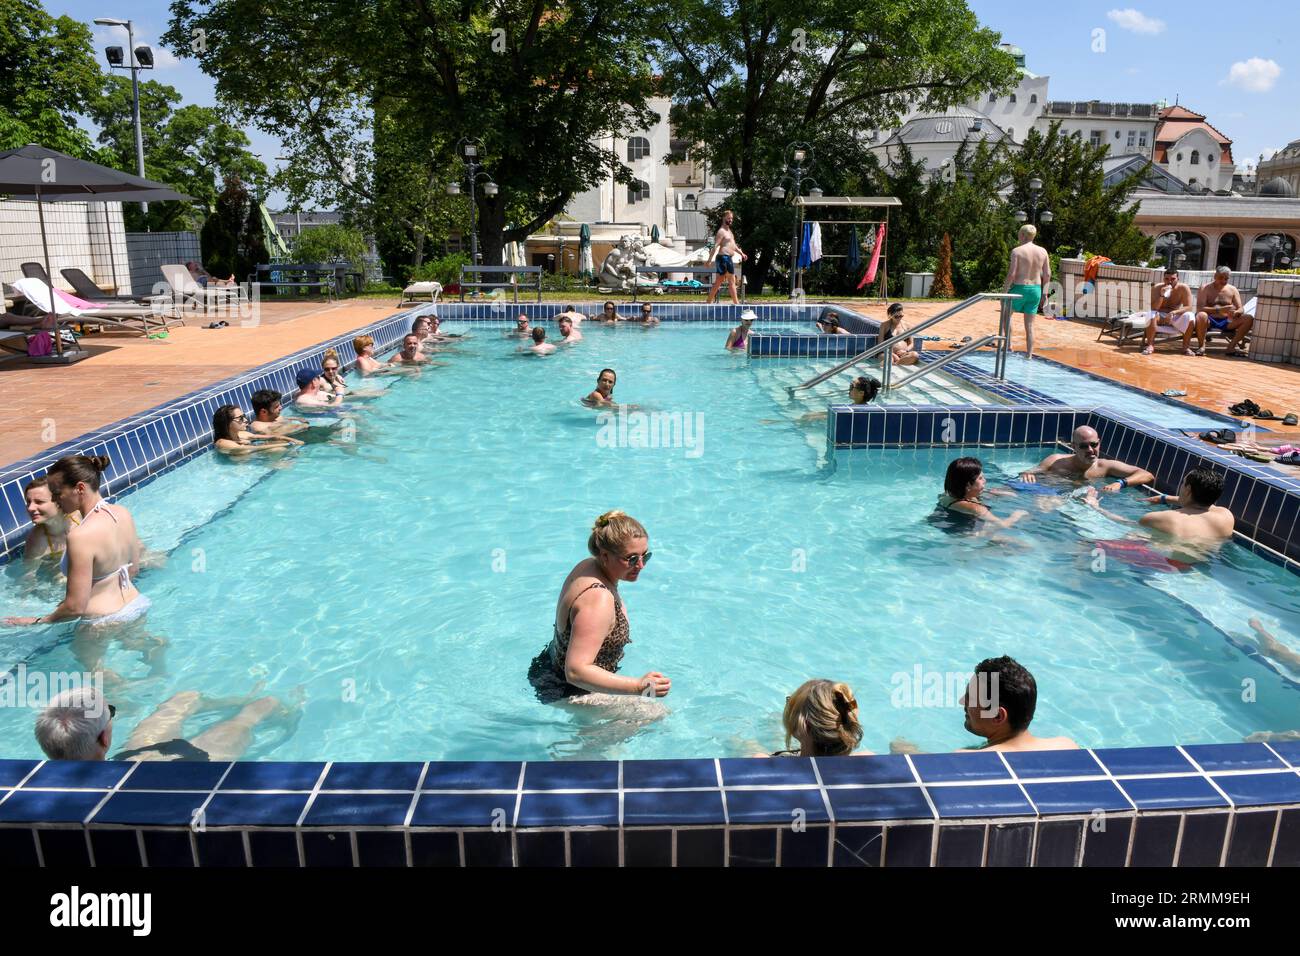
x,y
870,277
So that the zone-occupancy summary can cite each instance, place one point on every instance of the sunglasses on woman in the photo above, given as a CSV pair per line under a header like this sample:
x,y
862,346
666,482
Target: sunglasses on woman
x,y
637,560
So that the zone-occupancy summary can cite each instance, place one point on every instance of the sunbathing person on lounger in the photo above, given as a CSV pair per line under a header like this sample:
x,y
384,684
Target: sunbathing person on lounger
x,y
1219,306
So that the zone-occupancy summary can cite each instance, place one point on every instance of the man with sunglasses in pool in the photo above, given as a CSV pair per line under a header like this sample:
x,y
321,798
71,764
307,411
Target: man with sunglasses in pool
x,y
1086,464
647,315
78,725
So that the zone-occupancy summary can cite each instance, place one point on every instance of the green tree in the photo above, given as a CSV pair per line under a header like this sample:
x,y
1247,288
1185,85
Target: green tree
x,y
48,76
1087,213
330,243
539,82
190,148
231,241
749,77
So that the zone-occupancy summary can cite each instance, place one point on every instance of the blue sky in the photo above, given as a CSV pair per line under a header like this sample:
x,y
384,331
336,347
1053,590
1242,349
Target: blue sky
x,y
1236,68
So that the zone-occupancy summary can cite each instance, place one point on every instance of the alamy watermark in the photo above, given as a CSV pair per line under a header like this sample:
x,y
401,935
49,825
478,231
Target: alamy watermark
x,y
636,429
922,687
35,689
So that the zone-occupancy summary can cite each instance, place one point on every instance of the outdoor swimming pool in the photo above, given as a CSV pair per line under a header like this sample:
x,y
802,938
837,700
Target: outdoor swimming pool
x,y
400,585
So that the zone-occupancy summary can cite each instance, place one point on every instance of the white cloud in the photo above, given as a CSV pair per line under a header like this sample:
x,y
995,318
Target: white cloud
x,y
1255,75
1135,21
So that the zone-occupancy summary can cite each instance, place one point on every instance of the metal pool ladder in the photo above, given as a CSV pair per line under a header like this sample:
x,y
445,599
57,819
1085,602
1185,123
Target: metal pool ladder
x,y
1002,340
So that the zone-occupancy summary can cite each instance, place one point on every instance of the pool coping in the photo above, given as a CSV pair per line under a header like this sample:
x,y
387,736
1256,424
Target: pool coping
x,y
1240,800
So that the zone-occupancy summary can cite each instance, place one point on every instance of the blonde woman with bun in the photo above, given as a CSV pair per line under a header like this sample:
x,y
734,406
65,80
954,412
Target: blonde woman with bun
x,y
591,628
103,552
822,716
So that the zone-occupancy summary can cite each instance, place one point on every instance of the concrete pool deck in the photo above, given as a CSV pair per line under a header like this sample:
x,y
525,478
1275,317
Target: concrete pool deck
x,y
127,374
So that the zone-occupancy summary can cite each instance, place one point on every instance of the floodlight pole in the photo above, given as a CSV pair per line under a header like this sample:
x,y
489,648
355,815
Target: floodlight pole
x,y
134,67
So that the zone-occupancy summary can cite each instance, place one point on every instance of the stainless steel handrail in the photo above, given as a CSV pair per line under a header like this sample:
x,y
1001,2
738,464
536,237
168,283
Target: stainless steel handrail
x,y
886,346
952,356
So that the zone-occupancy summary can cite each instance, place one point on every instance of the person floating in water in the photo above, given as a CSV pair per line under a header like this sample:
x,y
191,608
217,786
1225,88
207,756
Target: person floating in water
x,y
1028,276
737,337
78,725
822,716
603,394
591,629
48,538
964,485
1000,701
1086,464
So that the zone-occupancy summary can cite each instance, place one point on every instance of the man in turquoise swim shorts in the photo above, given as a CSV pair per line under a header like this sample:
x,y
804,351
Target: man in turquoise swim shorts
x,y
1027,277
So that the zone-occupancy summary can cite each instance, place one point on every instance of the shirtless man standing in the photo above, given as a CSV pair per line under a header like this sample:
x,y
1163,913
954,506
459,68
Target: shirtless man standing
x,y
725,250
1086,463
1218,304
1028,276
1171,304
1000,702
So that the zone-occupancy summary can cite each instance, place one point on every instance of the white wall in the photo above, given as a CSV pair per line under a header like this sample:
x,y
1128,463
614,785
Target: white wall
x,y
78,235
1114,130
1017,117
607,202
1211,171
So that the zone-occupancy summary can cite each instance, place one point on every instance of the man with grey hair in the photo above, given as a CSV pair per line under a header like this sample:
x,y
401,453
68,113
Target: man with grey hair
x,y
78,725
1028,277
1219,307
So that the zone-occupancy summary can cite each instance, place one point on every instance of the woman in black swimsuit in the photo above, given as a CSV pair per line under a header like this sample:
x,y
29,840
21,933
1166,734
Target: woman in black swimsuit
x,y
591,628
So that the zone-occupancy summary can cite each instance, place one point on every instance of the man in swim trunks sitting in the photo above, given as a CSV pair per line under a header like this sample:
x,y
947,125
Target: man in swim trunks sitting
x,y
1171,305
1000,702
1028,276
1086,464
78,725
266,415
1219,306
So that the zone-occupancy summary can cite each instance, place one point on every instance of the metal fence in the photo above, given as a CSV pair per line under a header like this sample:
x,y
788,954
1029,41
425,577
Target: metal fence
x,y
149,251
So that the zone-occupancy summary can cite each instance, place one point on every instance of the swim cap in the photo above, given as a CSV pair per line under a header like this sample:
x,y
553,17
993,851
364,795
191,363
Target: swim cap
x,y
308,375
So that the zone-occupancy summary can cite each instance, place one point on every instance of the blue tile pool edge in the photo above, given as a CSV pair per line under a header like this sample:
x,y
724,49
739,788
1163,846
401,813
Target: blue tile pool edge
x,y
821,812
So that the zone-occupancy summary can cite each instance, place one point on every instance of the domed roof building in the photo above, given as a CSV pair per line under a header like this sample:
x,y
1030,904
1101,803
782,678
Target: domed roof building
x,y
1277,186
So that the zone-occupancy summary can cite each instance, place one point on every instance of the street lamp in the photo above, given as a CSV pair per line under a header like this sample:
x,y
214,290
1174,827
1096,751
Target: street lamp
x,y
1046,217
800,159
468,150
141,59
1276,247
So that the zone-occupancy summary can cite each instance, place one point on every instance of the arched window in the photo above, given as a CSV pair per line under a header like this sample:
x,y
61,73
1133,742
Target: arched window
x,y
1033,97
1178,158
688,201
638,191
1013,97
993,98
1209,159
638,147
1196,157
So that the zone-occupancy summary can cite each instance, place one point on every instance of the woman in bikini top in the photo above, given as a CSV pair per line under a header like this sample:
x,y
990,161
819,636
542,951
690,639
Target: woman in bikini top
x,y
105,538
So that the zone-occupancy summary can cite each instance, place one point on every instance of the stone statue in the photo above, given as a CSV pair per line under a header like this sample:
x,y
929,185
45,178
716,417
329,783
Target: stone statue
x,y
618,271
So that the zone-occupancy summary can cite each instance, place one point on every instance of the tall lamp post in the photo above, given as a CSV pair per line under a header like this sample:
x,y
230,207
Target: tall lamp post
x,y
1276,247
799,160
1176,253
469,151
1034,216
141,59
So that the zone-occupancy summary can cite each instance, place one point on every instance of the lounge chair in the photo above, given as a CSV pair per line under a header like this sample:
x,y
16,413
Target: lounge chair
x,y
127,318
188,292
1134,324
86,289
416,289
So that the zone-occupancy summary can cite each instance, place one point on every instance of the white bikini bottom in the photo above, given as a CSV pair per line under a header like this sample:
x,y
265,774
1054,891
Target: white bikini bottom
x,y
132,611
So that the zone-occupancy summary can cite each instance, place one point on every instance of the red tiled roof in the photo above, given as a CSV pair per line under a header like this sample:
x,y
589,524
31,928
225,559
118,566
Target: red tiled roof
x,y
1176,122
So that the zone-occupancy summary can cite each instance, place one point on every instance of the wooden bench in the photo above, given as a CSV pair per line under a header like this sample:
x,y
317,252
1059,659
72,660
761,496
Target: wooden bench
x,y
709,271
513,283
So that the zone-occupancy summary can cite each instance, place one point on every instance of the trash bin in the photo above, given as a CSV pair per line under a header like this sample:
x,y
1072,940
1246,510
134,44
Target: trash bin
x,y
916,285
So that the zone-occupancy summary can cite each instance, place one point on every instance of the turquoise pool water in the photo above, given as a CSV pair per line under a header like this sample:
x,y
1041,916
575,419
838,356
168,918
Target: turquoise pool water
x,y
1075,388
399,586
